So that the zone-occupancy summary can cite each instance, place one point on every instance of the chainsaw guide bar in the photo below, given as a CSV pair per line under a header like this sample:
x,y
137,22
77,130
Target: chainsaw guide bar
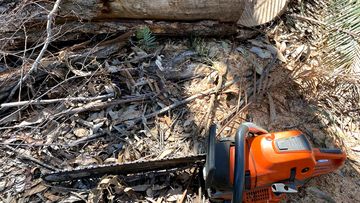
x,y
124,168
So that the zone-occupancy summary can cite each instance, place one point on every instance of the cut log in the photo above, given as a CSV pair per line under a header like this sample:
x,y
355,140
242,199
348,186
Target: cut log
x,y
183,10
82,19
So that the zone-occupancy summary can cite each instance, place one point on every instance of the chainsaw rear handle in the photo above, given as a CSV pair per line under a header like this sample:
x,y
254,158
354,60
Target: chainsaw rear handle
x,y
327,160
239,171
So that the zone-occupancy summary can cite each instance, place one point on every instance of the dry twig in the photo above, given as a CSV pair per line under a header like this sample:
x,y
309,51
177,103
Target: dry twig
x,y
36,63
222,71
189,99
87,139
100,105
51,101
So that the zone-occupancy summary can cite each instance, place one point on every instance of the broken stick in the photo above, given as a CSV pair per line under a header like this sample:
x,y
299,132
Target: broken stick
x,y
51,101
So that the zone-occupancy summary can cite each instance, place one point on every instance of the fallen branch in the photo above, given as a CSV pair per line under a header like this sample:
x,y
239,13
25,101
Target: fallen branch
x,y
35,65
86,139
51,101
100,105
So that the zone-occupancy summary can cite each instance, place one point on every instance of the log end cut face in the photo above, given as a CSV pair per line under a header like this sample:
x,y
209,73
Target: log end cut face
x,y
257,12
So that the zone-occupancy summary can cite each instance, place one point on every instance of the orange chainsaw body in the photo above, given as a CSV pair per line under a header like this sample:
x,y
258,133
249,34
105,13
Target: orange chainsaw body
x,y
283,157
268,164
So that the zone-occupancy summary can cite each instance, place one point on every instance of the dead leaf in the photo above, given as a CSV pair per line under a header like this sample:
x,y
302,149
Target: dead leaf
x,y
86,160
262,53
2,185
81,132
298,51
166,120
36,189
159,200
129,113
76,71
140,188
158,187
51,197
150,199
165,153
273,49
158,63
356,149
110,160
72,198
174,194
276,52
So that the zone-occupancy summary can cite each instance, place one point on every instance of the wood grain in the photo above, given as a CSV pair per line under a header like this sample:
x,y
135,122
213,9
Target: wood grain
x,y
257,12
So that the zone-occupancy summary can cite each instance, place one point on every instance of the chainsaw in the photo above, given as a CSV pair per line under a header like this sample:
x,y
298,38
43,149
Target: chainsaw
x,y
252,166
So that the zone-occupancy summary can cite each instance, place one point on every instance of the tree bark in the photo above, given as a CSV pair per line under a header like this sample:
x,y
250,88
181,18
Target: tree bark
x,y
183,10
80,31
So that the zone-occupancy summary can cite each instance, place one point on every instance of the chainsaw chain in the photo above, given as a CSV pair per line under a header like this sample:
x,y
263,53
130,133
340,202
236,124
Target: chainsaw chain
x,y
123,168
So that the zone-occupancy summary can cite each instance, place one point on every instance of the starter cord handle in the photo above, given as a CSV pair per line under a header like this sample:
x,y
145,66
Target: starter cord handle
x,y
239,172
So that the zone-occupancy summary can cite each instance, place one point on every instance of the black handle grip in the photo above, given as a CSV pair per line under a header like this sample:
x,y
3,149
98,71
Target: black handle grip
x,y
210,158
330,151
239,171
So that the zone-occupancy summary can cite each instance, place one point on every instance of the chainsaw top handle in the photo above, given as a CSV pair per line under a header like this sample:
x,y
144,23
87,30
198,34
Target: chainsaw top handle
x,y
239,172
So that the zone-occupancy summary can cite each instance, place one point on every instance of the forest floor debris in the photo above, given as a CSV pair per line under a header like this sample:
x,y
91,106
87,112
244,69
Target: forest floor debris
x,y
98,104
